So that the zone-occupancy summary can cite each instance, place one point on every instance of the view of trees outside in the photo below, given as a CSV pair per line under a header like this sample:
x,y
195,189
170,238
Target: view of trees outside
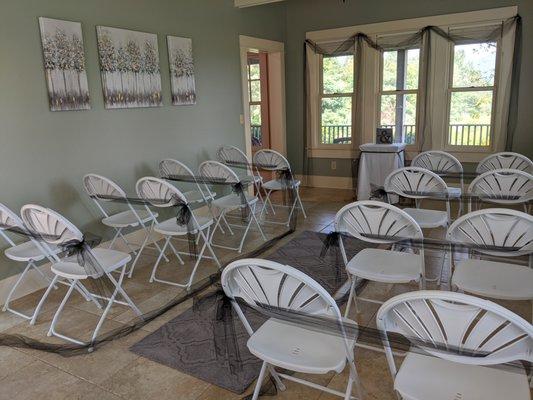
x,y
254,91
470,109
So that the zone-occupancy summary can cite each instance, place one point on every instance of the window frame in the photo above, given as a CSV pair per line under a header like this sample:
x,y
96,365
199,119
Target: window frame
x,y
322,95
382,92
450,90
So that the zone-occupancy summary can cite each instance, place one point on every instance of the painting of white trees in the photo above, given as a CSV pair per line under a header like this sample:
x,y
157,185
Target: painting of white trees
x,y
64,64
181,70
129,64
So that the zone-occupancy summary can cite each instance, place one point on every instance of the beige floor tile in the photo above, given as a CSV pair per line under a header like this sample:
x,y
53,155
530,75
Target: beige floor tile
x,y
12,360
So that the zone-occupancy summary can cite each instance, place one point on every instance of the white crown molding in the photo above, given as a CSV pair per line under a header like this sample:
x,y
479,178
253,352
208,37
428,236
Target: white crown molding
x,y
251,3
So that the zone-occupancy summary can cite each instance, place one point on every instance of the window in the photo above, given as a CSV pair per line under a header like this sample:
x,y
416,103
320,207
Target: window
x,y
471,94
254,92
399,93
336,99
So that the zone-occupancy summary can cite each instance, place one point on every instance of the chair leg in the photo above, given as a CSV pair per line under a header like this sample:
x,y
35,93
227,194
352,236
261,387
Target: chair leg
x,y
279,384
300,202
132,250
117,233
43,299
260,379
122,292
51,330
351,298
143,245
176,253
17,283
152,276
206,238
246,232
349,386
257,223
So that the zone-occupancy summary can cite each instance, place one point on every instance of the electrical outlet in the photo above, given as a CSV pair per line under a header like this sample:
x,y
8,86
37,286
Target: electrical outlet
x,y
241,119
334,165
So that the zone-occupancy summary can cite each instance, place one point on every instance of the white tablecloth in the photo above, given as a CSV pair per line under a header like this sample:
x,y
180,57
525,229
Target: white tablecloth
x,y
376,163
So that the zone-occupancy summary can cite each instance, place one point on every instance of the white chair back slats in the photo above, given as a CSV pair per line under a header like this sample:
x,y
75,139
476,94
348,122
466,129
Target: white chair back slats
x,y
170,166
458,327
376,218
155,189
271,160
99,185
505,160
498,227
437,161
55,228
506,186
411,180
8,219
258,281
232,154
216,170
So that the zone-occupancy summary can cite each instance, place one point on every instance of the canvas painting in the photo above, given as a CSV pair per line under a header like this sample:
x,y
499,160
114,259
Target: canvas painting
x,y
181,70
129,65
64,64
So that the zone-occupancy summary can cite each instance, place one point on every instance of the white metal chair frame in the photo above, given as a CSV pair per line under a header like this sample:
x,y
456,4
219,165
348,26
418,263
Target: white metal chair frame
x,y
370,217
203,194
100,185
415,179
227,154
50,223
267,158
440,161
495,227
459,321
503,182
505,159
9,218
155,188
257,281
217,170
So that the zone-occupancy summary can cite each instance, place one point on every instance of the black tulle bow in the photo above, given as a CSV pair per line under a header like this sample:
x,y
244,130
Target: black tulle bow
x,y
239,189
331,240
225,339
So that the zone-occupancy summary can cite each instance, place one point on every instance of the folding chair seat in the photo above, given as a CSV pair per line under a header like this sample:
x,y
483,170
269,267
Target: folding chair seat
x,y
504,228
271,160
419,183
56,229
457,345
150,188
284,344
366,220
214,170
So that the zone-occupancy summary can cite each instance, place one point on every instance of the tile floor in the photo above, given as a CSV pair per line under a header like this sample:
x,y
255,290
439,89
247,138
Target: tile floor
x,y
113,372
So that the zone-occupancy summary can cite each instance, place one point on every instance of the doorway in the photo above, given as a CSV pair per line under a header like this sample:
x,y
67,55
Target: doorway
x,y
263,84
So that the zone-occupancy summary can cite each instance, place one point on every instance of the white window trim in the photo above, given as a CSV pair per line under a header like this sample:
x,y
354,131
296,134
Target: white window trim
x,y
439,95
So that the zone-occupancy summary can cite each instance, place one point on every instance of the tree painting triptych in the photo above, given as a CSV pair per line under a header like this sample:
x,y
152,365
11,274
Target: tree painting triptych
x,y
129,67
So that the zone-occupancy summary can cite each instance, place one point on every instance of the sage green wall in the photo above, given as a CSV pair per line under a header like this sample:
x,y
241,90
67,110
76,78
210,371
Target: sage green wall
x,y
310,15
43,154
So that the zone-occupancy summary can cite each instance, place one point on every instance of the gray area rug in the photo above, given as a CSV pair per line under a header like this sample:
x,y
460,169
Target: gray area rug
x,y
200,344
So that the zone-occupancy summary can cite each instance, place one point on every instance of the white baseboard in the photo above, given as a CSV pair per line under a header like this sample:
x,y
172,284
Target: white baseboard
x,y
331,182
33,281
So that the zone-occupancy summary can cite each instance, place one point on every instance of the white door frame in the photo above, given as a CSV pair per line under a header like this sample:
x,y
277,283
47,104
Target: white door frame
x,y
278,127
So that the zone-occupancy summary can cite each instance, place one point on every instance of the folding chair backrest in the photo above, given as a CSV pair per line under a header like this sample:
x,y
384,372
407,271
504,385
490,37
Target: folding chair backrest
x,y
100,185
53,227
504,186
232,154
500,227
507,160
437,161
156,191
264,283
170,166
271,160
458,327
409,181
217,170
8,219
376,218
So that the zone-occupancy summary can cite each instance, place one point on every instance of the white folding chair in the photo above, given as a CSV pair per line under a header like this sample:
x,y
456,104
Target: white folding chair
x,y
409,182
462,343
31,252
233,156
50,224
150,188
273,161
498,227
283,344
442,162
503,186
96,185
507,160
215,170
365,220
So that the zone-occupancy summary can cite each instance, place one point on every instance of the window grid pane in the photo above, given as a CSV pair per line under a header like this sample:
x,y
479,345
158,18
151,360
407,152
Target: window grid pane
x,y
336,118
